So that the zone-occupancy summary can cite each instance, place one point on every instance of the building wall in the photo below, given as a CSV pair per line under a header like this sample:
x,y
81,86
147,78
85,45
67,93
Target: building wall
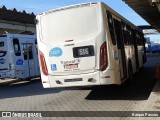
x,y
16,27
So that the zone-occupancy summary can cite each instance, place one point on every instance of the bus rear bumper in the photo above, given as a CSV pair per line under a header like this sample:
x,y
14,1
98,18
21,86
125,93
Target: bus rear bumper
x,y
108,77
88,79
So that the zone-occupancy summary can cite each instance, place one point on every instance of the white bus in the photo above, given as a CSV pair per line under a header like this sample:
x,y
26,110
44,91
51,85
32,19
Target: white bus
x,y
87,44
18,56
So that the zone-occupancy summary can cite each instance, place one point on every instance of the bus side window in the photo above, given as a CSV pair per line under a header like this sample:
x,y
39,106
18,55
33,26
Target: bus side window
x,y
130,35
1,44
36,46
24,51
134,37
139,39
16,46
118,31
142,39
2,52
30,52
126,34
111,28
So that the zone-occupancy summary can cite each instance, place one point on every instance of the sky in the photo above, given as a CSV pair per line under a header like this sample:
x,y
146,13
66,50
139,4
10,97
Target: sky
x,y
39,6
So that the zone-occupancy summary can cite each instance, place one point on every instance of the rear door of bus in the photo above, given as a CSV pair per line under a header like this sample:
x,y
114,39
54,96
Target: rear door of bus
x,y
28,56
120,46
24,58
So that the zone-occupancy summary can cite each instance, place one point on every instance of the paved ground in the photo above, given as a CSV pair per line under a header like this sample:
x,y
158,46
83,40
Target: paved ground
x,y
31,96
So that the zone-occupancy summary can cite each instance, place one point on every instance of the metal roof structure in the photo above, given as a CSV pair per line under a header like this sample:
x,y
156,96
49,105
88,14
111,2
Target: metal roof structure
x,y
16,16
13,21
148,10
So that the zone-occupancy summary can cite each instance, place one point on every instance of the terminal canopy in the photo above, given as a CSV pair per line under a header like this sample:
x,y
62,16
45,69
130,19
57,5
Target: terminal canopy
x,y
148,10
13,21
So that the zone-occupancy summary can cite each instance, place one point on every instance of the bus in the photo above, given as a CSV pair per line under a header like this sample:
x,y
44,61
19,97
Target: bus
x,y
18,56
87,44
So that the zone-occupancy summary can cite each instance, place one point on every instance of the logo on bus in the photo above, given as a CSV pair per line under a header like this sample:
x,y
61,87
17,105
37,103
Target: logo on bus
x,y
56,52
75,61
53,67
2,61
19,62
71,64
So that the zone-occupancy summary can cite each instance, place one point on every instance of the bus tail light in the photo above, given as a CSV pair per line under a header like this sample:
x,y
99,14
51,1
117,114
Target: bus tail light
x,y
103,57
43,63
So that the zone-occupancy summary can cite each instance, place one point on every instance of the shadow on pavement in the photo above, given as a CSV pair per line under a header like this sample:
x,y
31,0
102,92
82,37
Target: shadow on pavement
x,y
25,88
140,89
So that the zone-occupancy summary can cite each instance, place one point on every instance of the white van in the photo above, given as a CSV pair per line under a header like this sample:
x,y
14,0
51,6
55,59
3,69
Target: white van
x,y
18,56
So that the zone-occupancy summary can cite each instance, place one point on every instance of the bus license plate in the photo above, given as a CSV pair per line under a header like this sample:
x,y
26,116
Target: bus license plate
x,y
83,51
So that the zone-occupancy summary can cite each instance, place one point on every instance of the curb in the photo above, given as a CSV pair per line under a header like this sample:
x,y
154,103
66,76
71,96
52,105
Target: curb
x,y
9,82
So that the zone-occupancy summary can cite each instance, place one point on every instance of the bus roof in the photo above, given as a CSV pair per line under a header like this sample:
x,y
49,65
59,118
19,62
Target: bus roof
x,y
69,7
88,4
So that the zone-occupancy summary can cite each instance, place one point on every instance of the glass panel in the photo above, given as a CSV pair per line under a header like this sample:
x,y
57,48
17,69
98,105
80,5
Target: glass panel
x,y
30,52
1,44
36,46
111,28
24,51
80,22
128,34
118,31
16,47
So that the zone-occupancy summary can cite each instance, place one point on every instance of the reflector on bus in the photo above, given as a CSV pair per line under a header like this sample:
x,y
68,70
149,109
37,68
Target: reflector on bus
x,y
43,63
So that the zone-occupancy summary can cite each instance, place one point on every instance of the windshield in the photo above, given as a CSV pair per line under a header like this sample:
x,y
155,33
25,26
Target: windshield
x,y
69,24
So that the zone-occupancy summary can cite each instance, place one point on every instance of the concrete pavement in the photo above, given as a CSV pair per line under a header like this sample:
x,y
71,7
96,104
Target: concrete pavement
x,y
152,105
153,102
31,96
